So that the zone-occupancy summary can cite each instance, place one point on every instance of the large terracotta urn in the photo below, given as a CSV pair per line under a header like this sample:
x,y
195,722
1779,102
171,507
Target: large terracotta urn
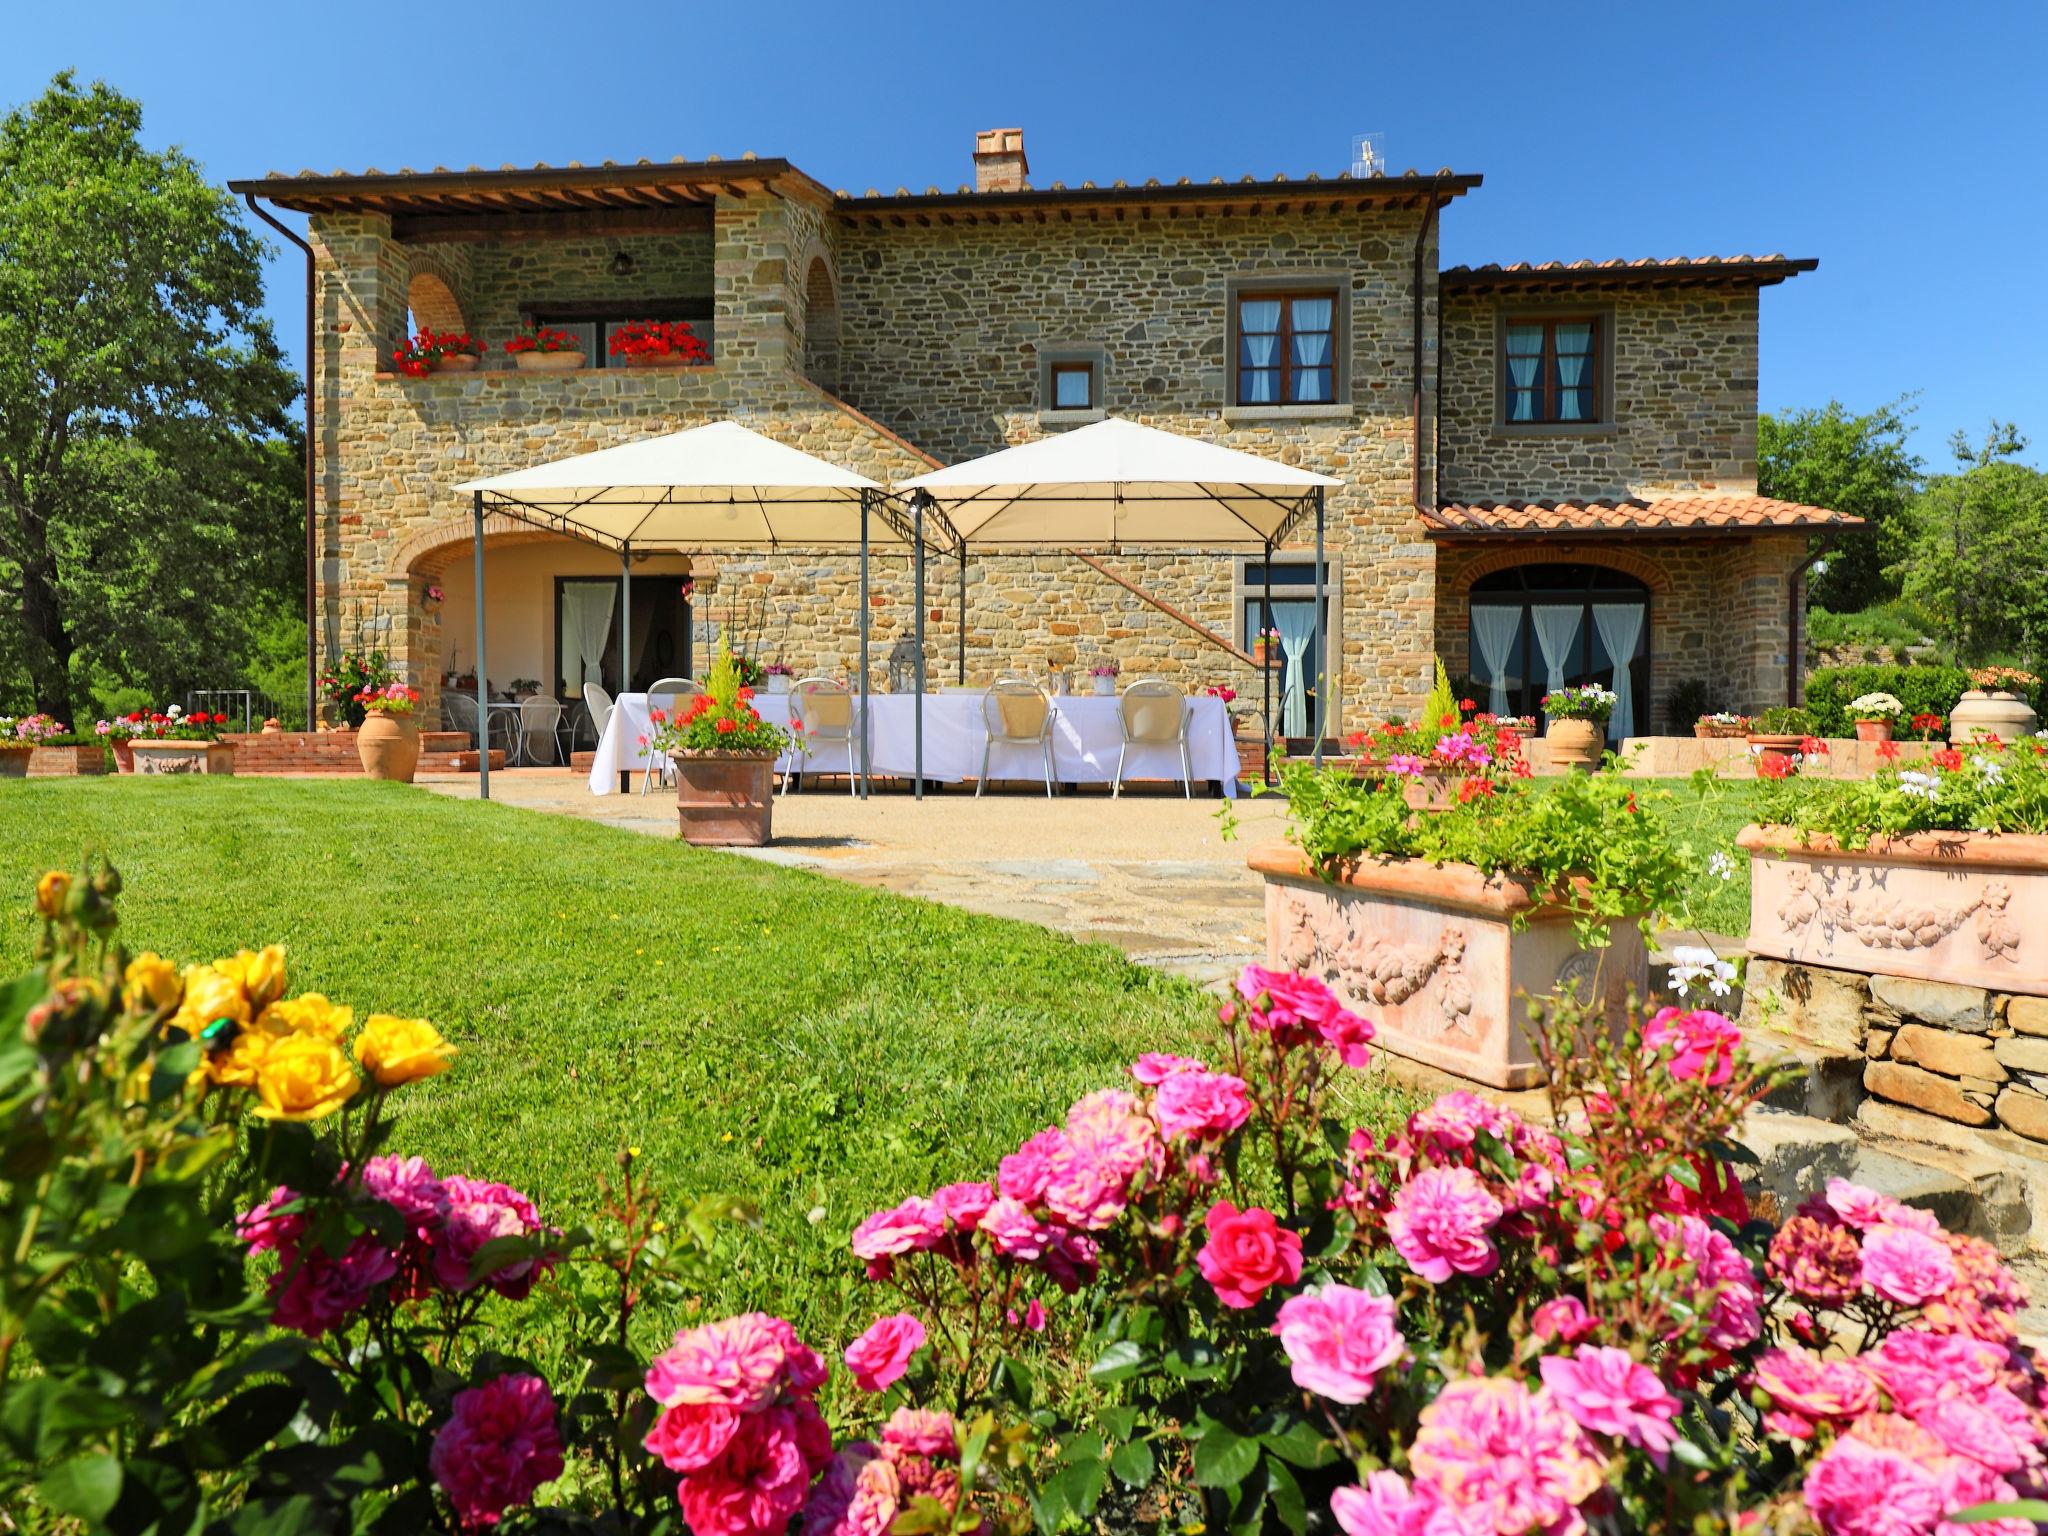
x,y
1981,713
1576,743
389,746
1873,730
725,799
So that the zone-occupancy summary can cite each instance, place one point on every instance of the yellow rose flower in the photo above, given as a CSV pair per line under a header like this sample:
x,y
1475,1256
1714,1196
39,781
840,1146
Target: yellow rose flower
x,y
152,980
51,891
395,1050
209,995
241,1064
309,1013
261,974
303,1077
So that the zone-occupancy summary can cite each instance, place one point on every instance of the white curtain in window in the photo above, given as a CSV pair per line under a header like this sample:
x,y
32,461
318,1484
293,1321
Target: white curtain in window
x,y
587,606
1493,638
1557,631
1297,624
1259,351
1312,348
1620,626
1571,371
1525,357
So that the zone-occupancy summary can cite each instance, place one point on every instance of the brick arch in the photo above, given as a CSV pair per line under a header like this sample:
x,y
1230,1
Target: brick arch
x,y
821,320
429,551
432,301
1648,572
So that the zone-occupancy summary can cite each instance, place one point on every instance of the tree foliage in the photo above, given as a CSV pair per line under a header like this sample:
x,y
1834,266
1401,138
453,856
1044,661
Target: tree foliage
x,y
148,469
1976,550
1855,464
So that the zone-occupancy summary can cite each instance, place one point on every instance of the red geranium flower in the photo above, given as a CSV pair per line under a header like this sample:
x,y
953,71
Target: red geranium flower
x,y
1948,759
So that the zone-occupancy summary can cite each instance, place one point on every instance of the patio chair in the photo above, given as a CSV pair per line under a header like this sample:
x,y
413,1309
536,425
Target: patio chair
x,y
1154,713
666,695
458,712
597,706
1017,713
828,714
541,716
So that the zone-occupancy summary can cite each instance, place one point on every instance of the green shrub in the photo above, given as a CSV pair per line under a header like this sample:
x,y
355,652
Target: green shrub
x,y
1788,720
1686,702
1921,690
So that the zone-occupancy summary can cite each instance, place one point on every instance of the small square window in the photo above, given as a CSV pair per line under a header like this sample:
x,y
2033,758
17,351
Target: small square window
x,y
1073,387
1551,371
1287,348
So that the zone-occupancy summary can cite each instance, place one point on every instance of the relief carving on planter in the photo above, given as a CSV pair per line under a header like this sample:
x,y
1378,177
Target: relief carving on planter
x,y
184,762
1331,939
1879,920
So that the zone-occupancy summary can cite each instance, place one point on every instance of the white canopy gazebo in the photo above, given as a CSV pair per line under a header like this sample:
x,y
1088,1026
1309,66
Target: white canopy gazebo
x,y
716,487
1124,488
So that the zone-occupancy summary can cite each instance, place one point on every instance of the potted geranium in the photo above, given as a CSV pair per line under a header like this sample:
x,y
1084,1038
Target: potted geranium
x,y
659,344
1103,676
1265,647
61,752
177,742
778,675
1721,723
117,733
388,743
353,672
1781,739
1578,724
546,349
1996,705
438,352
724,754
1876,715
1448,746
19,739
1927,726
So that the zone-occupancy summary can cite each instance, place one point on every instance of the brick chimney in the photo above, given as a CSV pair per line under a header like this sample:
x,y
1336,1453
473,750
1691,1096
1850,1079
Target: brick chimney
x,y
999,163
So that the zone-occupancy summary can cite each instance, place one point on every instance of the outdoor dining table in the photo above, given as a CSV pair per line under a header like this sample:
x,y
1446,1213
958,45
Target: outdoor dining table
x,y
1086,738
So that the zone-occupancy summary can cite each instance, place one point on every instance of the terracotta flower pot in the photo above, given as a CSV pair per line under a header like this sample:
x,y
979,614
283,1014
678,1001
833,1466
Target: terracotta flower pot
x,y
1994,713
155,757
124,755
656,360
455,362
1576,743
1776,746
547,362
726,799
1873,730
389,746
14,760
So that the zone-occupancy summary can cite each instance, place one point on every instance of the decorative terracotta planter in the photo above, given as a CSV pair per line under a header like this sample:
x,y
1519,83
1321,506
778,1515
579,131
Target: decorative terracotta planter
x,y
726,799
656,360
1979,714
124,755
14,760
547,362
1773,745
1873,730
455,362
1963,907
389,746
1431,954
1576,743
183,757
1706,732
67,762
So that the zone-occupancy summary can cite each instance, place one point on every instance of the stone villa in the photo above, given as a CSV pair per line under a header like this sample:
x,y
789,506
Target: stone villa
x,y
1546,467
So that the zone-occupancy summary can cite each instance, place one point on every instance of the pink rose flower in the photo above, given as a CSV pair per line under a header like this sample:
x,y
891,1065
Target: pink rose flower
x,y
857,1496
1384,1505
1246,1253
963,1205
265,1230
478,1212
1905,1266
1562,1320
759,1481
1155,1067
1454,1121
1858,1489
1819,1260
1086,1189
1348,1035
738,1362
1439,1224
880,1356
1735,1315
923,1432
1509,1456
1014,1232
1070,1259
499,1444
1290,1007
1702,1043
1031,1319
1024,1174
692,1435
408,1185
312,1292
915,1224
1609,1392
1807,1390
1201,1106
1918,1367
1338,1339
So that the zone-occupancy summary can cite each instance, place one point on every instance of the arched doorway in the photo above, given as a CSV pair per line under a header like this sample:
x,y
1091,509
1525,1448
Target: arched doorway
x,y
1537,627
821,326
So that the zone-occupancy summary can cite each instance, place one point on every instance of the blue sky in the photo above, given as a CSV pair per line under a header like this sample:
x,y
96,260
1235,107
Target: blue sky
x,y
1903,145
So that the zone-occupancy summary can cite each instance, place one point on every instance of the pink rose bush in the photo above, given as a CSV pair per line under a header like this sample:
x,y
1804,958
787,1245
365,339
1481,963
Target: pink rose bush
x,y
499,1445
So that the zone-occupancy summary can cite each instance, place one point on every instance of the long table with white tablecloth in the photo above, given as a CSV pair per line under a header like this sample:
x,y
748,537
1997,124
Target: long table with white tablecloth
x,y
1086,738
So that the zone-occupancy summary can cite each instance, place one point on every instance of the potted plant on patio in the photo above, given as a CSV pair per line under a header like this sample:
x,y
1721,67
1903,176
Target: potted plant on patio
x,y
659,344
546,349
1995,706
1721,723
118,733
1876,715
438,352
724,754
180,743
1578,724
778,675
388,743
1102,678
343,683
19,740
1433,759
1780,739
65,753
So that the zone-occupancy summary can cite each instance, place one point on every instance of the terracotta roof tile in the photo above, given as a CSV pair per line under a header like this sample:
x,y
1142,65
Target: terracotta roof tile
x,y
1630,515
1644,270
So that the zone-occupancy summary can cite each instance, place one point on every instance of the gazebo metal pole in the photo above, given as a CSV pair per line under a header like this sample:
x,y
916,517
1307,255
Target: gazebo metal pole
x,y
626,638
1265,662
483,712
1322,636
917,560
864,497
963,613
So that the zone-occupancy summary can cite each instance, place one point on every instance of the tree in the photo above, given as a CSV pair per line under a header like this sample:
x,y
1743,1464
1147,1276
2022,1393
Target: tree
x,y
1977,550
1858,465
143,429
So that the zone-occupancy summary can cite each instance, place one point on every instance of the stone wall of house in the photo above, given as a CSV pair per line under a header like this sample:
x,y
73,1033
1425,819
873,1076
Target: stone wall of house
x,y
1681,398
493,280
1719,610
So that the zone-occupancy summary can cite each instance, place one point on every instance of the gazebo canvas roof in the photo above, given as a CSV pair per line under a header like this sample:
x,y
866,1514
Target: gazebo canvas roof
x,y
1118,485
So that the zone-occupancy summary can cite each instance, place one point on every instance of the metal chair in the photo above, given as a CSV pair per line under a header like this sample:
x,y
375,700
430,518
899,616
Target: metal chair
x,y
1016,712
541,716
597,706
666,695
459,713
1154,713
826,712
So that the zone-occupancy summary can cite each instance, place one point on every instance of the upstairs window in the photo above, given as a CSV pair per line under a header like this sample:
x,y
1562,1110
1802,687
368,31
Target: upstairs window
x,y
1073,386
1287,348
1551,370
592,322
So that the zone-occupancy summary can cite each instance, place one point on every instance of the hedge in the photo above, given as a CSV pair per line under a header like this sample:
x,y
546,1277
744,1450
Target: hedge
x,y
1922,690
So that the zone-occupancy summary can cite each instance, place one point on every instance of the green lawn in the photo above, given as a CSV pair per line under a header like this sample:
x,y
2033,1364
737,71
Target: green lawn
x,y
1708,823
811,1046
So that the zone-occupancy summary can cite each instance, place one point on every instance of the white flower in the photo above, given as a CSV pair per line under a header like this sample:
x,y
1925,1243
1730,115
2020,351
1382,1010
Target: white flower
x,y
1720,866
1921,786
1694,967
1991,770
1876,706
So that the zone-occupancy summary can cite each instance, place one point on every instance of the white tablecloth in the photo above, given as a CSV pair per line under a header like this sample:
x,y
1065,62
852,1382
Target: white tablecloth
x,y
1085,739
